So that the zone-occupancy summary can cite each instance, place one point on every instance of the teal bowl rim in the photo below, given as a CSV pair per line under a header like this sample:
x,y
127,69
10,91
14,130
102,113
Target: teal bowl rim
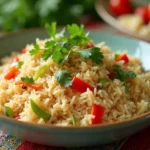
x,y
46,126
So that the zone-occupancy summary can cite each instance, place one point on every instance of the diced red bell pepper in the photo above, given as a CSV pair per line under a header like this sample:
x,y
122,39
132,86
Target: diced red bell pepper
x,y
14,59
17,117
33,86
11,74
80,86
98,112
123,57
23,51
111,75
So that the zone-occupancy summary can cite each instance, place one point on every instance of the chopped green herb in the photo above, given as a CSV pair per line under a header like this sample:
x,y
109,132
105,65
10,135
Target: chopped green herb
x,y
75,30
8,111
62,60
39,112
117,56
104,81
92,53
27,79
51,29
35,50
19,64
123,74
126,87
57,54
74,120
64,78
40,72
46,54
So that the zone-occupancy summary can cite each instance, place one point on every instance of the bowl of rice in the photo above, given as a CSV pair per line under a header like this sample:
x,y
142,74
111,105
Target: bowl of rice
x,y
129,23
73,88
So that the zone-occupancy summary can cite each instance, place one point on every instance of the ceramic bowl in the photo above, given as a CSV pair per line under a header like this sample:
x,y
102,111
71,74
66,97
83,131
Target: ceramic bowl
x,y
75,136
103,10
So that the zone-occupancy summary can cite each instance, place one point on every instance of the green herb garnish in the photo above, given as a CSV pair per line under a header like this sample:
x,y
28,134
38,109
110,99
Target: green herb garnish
x,y
64,78
27,79
74,120
35,50
8,111
93,53
17,64
39,112
117,56
104,81
123,75
60,48
51,29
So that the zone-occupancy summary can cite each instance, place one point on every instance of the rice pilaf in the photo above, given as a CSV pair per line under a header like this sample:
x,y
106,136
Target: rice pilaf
x,y
119,98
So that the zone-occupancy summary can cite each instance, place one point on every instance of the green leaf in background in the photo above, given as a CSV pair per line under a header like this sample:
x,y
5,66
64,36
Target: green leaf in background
x,y
19,14
35,50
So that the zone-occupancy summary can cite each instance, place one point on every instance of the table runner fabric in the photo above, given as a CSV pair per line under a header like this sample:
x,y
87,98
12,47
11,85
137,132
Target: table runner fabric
x,y
139,141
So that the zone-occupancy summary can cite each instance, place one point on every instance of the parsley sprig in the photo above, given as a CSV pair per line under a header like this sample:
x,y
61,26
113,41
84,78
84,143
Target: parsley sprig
x,y
27,79
123,75
64,78
60,48
71,40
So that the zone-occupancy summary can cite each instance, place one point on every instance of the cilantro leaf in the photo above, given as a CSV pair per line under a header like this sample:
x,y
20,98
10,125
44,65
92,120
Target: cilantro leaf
x,y
64,78
104,81
46,54
35,50
123,74
75,30
27,79
62,60
93,53
49,44
51,29
82,39
77,34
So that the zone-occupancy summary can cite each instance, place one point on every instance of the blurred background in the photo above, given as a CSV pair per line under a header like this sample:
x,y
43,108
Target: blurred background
x,y
19,14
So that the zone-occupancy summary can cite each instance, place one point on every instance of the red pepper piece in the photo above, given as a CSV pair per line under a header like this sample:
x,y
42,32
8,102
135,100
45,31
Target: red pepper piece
x,y
80,86
23,51
111,75
11,74
123,57
98,112
34,86
14,59
17,117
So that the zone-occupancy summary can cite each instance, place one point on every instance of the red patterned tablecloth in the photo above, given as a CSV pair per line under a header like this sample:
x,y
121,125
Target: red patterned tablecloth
x,y
139,141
